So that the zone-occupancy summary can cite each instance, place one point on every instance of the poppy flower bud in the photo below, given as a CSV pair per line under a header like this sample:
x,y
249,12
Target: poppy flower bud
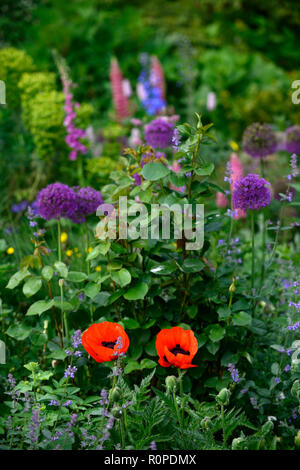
x,y
116,412
295,390
267,427
297,439
61,282
171,383
238,443
223,397
232,288
206,423
115,395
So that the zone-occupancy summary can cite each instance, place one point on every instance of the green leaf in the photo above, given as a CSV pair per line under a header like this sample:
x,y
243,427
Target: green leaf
x,y
154,171
224,312
61,268
75,276
131,366
18,277
58,354
92,289
122,277
47,273
241,319
131,323
137,292
205,171
20,331
32,286
192,311
192,265
216,333
100,249
39,307
147,364
164,269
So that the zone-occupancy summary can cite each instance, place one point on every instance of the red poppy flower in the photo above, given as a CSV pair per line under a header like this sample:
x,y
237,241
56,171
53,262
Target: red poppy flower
x,y
105,341
176,347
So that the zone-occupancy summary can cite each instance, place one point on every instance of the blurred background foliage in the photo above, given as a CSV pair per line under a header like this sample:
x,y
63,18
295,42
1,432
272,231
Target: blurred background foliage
x,y
245,51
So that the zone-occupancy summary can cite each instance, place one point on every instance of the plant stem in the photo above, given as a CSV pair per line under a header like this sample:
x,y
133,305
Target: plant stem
x,y
58,239
223,424
253,249
263,243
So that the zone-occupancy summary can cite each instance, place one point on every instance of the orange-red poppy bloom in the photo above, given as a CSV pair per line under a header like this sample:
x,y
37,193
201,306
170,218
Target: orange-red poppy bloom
x,y
105,341
176,347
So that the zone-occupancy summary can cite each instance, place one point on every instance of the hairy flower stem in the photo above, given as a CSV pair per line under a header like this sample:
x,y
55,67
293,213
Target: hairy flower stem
x,y
180,377
262,275
223,424
58,239
63,313
253,249
88,266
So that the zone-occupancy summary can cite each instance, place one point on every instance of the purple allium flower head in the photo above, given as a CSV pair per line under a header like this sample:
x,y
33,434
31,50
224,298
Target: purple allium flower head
x,y
56,200
88,200
292,135
251,192
159,133
259,140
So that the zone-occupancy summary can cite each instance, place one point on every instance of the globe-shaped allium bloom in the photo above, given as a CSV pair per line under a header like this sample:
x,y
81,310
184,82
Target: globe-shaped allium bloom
x,y
55,201
88,200
251,193
259,140
292,135
159,133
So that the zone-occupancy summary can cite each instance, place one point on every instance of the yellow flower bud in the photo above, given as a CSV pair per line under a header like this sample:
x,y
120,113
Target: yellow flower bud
x,y
98,268
10,250
69,252
90,248
234,146
64,237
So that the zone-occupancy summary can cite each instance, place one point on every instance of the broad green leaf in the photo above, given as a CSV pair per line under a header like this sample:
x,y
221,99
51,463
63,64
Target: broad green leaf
x,y
137,292
100,249
32,286
205,171
192,265
122,277
47,272
216,333
75,276
61,268
131,366
92,289
154,171
39,307
242,319
20,331
18,277
131,323
147,364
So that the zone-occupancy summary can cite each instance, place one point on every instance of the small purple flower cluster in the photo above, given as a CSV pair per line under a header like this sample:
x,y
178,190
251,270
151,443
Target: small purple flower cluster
x,y
70,372
294,327
19,207
59,200
294,167
73,133
251,193
234,372
176,139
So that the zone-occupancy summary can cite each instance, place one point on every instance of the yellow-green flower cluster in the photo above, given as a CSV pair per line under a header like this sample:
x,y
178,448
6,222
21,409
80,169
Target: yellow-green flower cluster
x,y
13,63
